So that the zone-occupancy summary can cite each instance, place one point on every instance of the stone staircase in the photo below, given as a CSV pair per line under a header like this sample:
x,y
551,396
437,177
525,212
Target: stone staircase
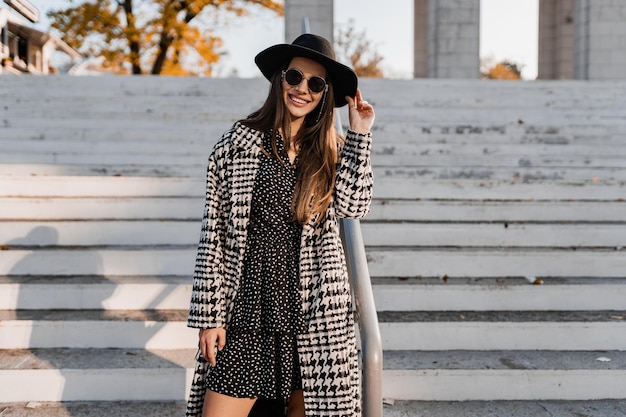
x,y
495,242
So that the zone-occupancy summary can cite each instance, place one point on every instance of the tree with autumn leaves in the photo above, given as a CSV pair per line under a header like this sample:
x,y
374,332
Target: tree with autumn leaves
x,y
504,70
149,36
355,49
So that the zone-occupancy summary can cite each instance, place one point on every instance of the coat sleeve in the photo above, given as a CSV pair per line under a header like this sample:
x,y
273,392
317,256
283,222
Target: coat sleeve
x,y
207,308
353,186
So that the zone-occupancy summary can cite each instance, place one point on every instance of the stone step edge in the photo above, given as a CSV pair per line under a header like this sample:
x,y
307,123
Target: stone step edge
x,y
455,380
383,280
391,408
604,136
531,360
156,408
458,189
425,211
488,385
23,333
527,175
437,385
388,317
173,293
393,360
389,262
80,234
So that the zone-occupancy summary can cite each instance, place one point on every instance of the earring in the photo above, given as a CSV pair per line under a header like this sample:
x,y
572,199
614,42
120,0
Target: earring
x,y
319,116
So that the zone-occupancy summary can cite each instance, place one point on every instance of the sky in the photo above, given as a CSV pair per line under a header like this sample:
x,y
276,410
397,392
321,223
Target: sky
x,y
508,32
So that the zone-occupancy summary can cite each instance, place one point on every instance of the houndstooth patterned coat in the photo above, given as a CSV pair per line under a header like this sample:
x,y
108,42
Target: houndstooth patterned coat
x,y
327,352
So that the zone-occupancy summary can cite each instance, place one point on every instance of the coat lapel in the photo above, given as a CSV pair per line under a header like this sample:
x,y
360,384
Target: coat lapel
x,y
242,173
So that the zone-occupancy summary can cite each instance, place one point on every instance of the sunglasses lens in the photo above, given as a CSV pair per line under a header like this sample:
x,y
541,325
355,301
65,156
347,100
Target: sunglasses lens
x,y
317,84
293,77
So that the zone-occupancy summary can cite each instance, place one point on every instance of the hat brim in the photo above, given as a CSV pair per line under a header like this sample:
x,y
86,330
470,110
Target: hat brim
x,y
343,78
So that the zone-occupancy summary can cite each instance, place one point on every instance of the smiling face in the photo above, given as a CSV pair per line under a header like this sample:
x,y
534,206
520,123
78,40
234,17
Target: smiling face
x,y
298,99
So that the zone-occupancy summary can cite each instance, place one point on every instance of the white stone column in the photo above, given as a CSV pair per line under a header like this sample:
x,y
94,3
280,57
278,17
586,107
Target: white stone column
x,y
600,40
452,38
319,13
556,39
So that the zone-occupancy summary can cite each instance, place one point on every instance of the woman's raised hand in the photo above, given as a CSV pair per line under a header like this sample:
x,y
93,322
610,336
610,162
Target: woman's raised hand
x,y
209,339
360,113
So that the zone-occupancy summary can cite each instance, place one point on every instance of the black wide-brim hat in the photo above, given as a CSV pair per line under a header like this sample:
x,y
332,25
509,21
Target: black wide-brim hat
x,y
343,78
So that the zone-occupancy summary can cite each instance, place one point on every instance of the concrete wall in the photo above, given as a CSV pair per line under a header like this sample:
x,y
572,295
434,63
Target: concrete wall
x,y
556,39
600,40
320,15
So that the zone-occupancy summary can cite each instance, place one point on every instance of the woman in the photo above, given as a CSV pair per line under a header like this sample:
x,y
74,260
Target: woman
x,y
270,291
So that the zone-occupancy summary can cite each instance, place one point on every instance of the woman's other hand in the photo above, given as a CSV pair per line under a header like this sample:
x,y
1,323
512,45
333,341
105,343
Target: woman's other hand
x,y
209,339
360,113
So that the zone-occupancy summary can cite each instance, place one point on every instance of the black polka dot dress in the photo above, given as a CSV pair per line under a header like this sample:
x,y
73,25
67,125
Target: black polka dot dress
x,y
260,359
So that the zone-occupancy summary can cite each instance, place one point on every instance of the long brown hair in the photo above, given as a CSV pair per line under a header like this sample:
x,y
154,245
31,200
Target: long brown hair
x,y
318,144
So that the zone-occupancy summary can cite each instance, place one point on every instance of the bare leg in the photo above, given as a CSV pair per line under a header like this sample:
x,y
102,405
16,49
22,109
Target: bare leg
x,y
219,405
295,408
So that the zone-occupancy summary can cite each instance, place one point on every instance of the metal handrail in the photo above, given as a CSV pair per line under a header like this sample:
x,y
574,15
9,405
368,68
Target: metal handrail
x,y
367,318
366,315
306,28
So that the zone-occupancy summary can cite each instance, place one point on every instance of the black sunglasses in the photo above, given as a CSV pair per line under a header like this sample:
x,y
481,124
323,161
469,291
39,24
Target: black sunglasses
x,y
294,77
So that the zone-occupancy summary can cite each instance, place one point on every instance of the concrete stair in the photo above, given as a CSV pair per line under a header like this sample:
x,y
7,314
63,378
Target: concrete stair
x,y
495,242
